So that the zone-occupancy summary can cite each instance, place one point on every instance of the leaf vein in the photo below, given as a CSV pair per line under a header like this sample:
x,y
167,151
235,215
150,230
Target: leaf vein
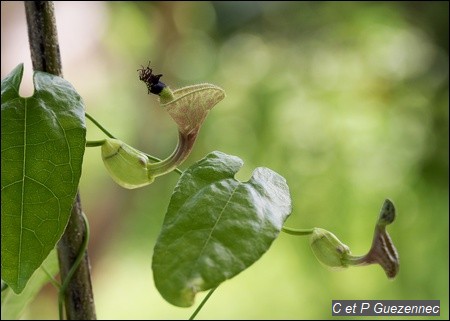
x,y
217,221
19,257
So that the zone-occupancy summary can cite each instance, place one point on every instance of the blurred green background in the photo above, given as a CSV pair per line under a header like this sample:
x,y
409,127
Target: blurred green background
x,y
347,100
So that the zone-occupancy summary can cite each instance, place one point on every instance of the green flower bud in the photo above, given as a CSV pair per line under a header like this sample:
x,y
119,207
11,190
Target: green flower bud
x,y
328,249
126,165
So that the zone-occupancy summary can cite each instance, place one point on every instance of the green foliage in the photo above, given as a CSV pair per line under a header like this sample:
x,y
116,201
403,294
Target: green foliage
x,y
216,226
348,101
13,304
43,141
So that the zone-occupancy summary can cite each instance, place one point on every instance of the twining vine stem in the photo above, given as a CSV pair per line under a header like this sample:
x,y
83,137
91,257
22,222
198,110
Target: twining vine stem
x,y
73,269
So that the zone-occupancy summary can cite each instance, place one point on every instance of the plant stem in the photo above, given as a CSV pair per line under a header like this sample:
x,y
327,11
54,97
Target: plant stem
x,y
44,47
181,152
95,143
73,269
300,232
96,123
52,280
43,37
79,299
202,304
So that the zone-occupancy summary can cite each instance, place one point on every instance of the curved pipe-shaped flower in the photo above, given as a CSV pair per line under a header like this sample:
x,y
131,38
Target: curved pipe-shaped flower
x,y
382,250
331,252
188,106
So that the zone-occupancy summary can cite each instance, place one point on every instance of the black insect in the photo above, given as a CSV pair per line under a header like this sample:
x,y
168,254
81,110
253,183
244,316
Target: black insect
x,y
154,86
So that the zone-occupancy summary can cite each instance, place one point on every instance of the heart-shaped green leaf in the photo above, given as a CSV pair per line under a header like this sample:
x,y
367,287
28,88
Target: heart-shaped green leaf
x,y
216,226
43,141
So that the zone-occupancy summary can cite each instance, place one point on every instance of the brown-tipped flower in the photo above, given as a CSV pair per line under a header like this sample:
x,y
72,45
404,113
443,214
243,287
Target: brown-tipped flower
x,y
331,252
382,250
188,107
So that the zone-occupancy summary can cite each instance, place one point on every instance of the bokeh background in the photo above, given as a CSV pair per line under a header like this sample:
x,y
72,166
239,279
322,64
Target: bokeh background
x,y
347,100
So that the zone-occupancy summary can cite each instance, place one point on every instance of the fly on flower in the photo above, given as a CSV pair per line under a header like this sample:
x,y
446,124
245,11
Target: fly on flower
x,y
146,75
188,106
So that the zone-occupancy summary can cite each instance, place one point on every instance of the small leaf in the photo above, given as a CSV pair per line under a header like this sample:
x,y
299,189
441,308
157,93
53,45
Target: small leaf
x,y
216,226
14,304
43,141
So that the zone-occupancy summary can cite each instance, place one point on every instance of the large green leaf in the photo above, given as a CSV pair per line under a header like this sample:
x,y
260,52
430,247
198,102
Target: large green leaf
x,y
43,141
216,226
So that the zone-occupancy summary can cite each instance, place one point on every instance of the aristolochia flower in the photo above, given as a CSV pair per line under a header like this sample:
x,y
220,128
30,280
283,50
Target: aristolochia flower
x,y
188,106
331,252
